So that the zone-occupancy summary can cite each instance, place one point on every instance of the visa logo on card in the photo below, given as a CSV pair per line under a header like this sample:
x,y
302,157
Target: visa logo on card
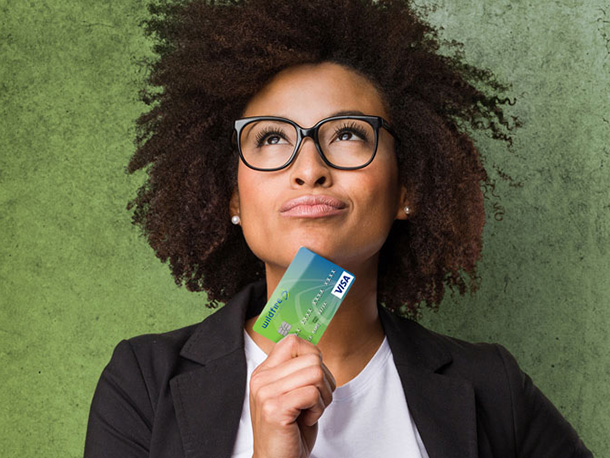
x,y
342,285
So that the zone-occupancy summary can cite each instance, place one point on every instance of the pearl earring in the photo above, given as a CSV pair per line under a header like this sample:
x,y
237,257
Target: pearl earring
x,y
407,210
235,219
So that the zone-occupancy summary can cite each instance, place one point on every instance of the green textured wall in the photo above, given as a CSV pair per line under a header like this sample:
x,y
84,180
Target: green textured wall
x,y
75,278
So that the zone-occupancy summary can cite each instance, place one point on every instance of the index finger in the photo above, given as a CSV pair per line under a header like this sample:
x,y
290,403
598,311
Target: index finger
x,y
290,347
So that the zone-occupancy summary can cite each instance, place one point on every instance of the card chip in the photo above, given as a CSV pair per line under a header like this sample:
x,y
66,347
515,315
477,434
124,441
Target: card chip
x,y
284,328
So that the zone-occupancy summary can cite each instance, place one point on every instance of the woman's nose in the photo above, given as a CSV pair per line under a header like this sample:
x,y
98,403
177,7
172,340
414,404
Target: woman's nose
x,y
308,168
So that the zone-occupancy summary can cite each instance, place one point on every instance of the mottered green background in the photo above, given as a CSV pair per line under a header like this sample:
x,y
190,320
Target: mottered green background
x,y
75,277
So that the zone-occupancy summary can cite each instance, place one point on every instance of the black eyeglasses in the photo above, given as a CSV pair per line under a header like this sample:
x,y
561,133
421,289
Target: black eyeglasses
x,y
269,143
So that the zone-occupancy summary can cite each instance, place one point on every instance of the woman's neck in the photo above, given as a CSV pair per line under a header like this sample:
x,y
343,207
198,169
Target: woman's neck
x,y
355,332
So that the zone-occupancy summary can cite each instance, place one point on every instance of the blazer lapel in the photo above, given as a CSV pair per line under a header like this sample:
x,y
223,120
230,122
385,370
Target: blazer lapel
x,y
209,399
442,407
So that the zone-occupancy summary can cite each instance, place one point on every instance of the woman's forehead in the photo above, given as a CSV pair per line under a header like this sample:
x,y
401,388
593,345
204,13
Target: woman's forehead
x,y
310,92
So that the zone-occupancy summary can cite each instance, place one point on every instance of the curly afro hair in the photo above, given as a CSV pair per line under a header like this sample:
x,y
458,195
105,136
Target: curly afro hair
x,y
214,56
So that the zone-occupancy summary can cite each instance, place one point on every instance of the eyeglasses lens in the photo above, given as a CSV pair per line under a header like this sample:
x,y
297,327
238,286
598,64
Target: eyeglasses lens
x,y
269,144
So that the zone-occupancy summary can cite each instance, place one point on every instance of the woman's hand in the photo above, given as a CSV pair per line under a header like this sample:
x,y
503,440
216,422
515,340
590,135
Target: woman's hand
x,y
288,394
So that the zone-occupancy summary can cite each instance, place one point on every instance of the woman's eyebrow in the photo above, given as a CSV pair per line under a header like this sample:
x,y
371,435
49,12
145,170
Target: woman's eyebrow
x,y
347,113
337,113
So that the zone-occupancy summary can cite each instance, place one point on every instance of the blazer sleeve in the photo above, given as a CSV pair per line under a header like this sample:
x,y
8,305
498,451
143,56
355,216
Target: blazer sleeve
x,y
540,430
120,420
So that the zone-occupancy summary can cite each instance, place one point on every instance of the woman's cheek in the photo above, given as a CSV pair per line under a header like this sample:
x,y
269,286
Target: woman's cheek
x,y
259,224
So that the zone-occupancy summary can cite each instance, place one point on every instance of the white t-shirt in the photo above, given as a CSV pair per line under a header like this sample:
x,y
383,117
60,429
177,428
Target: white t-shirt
x,y
368,416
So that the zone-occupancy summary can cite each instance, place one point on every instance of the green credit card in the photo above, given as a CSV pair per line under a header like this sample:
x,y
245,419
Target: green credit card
x,y
306,298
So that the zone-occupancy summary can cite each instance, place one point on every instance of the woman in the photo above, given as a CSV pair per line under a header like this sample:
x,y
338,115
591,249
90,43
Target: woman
x,y
362,162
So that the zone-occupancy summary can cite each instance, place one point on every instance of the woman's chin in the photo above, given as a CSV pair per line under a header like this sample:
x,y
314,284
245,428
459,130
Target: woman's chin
x,y
285,251
327,247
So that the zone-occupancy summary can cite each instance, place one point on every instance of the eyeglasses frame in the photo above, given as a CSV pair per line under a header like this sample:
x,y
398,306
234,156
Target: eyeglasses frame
x,y
375,121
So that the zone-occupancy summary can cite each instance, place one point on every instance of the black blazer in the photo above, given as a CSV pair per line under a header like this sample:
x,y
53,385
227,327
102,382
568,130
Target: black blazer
x,y
180,394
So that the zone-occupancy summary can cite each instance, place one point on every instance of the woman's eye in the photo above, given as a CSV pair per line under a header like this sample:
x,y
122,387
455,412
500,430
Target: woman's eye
x,y
350,134
270,138
273,139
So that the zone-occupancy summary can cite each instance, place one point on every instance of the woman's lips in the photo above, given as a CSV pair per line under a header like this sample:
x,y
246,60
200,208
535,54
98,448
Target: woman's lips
x,y
312,207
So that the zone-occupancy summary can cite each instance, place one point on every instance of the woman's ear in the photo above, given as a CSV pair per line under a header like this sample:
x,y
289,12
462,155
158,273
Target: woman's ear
x,y
405,208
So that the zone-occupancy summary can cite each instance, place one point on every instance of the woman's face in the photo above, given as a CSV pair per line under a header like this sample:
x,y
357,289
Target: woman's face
x,y
364,202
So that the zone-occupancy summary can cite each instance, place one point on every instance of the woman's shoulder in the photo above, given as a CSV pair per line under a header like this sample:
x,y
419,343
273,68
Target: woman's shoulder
x,y
482,363
469,356
504,395
151,359
158,346
161,356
